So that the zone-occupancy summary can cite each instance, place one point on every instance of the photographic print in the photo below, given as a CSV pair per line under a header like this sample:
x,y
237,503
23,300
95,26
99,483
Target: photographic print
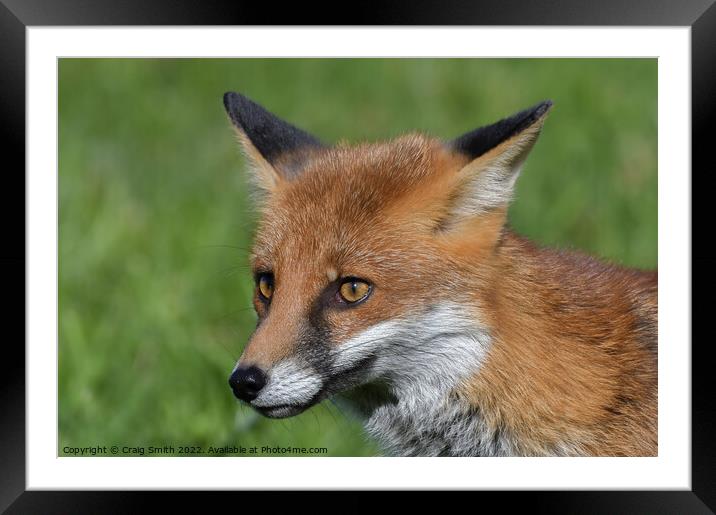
x,y
215,214
357,257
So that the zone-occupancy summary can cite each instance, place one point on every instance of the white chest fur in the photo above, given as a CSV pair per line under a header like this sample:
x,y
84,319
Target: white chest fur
x,y
445,427
422,359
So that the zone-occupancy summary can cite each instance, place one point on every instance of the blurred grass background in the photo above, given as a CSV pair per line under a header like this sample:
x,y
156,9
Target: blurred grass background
x,y
154,289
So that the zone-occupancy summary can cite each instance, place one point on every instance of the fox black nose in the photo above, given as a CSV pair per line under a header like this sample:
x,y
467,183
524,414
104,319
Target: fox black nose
x,y
246,382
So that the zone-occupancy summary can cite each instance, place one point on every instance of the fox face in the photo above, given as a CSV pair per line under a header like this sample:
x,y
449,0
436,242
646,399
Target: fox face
x,y
373,262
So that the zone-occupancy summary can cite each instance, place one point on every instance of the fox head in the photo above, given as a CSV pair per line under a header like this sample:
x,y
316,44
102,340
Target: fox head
x,y
372,262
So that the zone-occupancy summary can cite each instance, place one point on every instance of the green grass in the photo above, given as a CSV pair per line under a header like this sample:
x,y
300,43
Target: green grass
x,y
154,220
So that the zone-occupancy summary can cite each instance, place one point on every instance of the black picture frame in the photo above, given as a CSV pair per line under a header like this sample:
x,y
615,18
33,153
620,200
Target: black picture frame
x,y
17,15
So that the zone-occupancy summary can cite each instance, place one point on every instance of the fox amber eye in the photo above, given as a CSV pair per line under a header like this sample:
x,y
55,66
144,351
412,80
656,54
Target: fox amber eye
x,y
354,290
266,286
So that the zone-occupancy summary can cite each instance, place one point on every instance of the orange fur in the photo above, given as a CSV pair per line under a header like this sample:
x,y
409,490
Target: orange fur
x,y
573,353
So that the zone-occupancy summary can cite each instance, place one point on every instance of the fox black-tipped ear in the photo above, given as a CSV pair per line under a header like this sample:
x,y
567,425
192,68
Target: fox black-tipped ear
x,y
475,143
496,154
275,147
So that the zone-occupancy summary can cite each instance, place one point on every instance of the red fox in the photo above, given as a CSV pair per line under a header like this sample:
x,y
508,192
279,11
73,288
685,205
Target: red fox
x,y
386,274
